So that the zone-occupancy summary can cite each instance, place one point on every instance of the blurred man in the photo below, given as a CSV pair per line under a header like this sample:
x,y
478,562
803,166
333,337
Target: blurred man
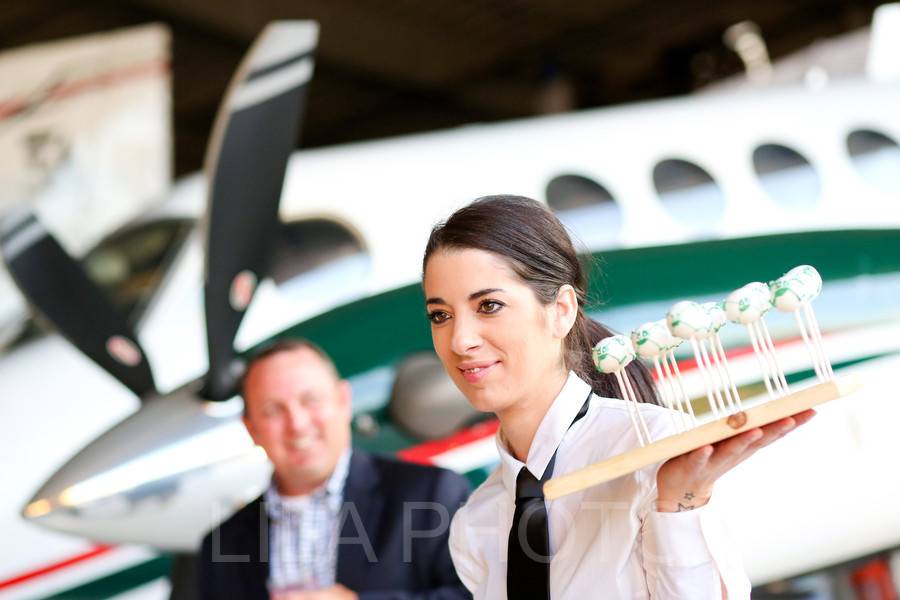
x,y
336,522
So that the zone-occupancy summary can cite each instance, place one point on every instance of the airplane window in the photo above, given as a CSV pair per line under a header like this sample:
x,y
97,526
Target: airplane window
x,y
305,245
690,194
569,192
586,208
876,158
129,265
787,177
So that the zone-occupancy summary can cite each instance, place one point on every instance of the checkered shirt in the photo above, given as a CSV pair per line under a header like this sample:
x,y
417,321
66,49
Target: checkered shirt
x,y
304,533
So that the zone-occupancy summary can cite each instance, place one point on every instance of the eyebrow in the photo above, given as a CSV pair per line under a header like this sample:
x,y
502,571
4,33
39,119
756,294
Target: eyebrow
x,y
472,296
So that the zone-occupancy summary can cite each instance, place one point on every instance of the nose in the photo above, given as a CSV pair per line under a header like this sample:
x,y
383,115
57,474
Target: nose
x,y
466,335
297,418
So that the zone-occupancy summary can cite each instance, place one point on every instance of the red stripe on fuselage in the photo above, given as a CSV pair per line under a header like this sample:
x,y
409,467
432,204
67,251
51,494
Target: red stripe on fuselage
x,y
423,453
53,567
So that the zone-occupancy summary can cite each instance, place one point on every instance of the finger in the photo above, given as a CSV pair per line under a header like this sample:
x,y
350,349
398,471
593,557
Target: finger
x,y
804,417
778,429
774,431
729,452
771,433
699,457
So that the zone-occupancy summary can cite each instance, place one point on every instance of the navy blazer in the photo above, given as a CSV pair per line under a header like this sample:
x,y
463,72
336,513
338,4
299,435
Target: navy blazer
x,y
381,560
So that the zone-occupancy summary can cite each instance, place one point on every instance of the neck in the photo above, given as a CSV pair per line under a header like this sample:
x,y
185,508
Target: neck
x,y
520,421
288,488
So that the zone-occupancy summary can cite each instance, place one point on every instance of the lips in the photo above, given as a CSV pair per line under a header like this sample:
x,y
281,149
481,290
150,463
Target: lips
x,y
302,443
475,372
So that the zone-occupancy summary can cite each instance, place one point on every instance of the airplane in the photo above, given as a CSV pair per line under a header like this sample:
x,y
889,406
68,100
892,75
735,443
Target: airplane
x,y
686,197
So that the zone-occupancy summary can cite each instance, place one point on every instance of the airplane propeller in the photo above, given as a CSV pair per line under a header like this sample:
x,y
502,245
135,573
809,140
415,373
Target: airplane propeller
x,y
253,136
81,312
256,128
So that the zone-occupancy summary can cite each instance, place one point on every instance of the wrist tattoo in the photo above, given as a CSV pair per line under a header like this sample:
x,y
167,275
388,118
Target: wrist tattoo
x,y
689,495
683,508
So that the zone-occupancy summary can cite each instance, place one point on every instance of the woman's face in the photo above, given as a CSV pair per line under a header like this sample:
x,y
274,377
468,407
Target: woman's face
x,y
497,342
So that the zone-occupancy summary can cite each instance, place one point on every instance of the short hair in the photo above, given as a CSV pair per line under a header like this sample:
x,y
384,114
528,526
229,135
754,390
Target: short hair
x,y
278,346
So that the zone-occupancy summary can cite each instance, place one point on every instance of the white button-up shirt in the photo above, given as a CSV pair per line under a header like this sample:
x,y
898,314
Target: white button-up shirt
x,y
607,541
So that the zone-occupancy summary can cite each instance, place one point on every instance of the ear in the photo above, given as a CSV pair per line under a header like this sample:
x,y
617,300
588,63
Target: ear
x,y
565,311
345,395
248,424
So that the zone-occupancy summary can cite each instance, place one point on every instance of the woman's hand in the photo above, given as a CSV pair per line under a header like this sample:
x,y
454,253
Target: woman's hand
x,y
686,482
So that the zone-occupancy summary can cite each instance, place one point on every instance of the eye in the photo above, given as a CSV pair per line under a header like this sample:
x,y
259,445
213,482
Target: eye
x,y
437,317
271,410
490,307
312,399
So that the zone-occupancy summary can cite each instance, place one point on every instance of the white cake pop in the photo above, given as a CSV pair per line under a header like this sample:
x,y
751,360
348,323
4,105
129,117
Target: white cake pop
x,y
673,341
613,354
748,304
759,296
688,320
651,339
716,312
788,293
810,276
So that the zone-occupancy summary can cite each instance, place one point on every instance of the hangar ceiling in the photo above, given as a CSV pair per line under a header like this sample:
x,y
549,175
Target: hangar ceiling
x,y
388,67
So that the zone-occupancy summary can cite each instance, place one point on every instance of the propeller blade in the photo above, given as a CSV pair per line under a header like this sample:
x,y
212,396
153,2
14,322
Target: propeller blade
x,y
256,129
57,285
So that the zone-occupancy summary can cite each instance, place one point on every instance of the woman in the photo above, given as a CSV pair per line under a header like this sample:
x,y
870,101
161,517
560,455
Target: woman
x,y
505,294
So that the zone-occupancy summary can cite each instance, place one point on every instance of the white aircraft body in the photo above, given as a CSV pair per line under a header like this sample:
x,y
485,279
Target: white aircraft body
x,y
377,202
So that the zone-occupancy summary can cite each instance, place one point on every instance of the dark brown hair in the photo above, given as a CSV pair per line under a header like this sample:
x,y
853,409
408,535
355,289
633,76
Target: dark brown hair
x,y
540,252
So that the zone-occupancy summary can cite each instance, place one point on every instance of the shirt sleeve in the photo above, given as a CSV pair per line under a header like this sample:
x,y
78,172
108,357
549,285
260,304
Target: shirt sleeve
x,y
468,568
688,555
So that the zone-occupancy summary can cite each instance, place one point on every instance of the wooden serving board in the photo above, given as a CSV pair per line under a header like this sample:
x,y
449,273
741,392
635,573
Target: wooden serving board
x,y
709,433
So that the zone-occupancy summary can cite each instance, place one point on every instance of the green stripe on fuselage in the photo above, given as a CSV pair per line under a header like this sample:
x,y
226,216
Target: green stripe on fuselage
x,y
119,582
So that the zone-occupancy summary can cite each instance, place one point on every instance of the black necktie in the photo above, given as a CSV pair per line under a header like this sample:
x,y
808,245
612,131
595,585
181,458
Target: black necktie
x,y
528,569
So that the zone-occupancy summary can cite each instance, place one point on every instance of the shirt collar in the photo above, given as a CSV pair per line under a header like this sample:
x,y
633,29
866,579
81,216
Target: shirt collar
x,y
549,433
276,504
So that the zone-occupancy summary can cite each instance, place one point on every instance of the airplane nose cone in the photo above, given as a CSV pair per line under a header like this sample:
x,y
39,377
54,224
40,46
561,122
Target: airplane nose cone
x,y
163,476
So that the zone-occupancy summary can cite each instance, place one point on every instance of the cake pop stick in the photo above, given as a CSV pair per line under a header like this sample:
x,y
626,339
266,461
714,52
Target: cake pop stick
x,y
612,355
711,356
762,298
650,340
789,295
772,356
819,342
710,378
793,292
744,306
813,287
670,365
689,321
716,311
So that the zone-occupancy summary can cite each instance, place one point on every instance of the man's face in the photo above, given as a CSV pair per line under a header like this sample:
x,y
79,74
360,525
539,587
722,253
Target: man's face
x,y
299,412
